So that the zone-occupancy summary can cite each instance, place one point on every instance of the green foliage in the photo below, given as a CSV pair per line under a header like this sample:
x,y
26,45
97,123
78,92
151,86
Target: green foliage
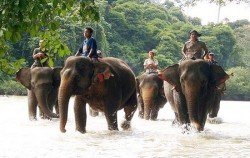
x,y
238,85
12,88
243,44
238,24
226,41
39,18
126,29
221,2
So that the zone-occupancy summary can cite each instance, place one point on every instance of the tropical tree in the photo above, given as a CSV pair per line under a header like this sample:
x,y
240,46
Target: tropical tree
x,y
38,19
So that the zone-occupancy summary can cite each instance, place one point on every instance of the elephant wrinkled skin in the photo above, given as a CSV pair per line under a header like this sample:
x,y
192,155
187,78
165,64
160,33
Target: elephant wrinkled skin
x,y
150,95
42,84
107,86
192,90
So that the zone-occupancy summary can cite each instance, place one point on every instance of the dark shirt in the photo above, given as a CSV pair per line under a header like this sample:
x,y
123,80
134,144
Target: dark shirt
x,y
87,45
212,62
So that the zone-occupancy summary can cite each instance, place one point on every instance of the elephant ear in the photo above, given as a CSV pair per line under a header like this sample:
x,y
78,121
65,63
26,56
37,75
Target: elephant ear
x,y
24,77
218,75
102,72
56,77
171,75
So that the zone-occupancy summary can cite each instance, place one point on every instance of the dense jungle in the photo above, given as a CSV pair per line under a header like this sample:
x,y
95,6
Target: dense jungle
x,y
126,29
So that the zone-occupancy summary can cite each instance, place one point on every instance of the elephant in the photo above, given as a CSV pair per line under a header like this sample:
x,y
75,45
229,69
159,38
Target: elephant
x,y
42,84
191,88
150,95
107,86
215,104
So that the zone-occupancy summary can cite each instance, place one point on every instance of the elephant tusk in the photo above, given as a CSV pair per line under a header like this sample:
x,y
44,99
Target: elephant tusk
x,y
174,87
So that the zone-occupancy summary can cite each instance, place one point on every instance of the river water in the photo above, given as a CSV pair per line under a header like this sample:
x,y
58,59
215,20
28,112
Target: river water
x,y
20,137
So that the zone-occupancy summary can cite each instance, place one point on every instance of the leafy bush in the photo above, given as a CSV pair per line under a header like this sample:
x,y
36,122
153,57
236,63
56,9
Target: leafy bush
x,y
238,85
12,88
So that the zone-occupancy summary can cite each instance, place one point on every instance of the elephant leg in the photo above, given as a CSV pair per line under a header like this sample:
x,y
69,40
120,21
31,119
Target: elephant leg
x,y
111,117
215,107
57,107
129,113
176,120
32,105
93,113
80,114
140,106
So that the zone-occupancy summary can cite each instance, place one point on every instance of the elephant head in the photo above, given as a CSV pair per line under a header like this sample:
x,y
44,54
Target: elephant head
x,y
40,81
79,77
197,81
150,95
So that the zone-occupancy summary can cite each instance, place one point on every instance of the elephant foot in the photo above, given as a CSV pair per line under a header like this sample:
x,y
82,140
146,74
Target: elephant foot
x,y
32,118
93,113
113,128
63,130
45,117
81,130
126,125
196,127
140,115
176,123
55,115
215,120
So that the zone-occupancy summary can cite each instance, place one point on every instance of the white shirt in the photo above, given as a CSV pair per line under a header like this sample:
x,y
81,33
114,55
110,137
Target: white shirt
x,y
148,62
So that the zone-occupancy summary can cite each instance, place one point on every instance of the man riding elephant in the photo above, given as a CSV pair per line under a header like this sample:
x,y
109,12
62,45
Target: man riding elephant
x,y
150,89
40,55
107,86
194,48
151,64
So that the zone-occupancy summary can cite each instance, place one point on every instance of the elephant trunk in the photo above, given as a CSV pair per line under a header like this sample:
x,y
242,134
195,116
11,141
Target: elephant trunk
x,y
63,102
148,99
43,104
147,108
192,99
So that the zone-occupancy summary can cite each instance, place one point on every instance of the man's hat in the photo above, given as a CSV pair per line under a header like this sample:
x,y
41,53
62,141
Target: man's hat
x,y
196,32
211,53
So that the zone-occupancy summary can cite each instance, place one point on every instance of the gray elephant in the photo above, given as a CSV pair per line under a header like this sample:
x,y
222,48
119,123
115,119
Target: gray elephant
x,y
107,86
150,95
191,89
42,84
215,104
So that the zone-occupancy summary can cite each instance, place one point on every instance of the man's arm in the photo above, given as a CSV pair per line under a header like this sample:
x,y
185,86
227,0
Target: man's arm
x,y
184,49
90,52
205,50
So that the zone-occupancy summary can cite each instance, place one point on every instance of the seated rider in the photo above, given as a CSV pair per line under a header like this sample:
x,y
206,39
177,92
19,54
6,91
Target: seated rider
x,y
211,59
151,64
194,48
40,55
88,47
